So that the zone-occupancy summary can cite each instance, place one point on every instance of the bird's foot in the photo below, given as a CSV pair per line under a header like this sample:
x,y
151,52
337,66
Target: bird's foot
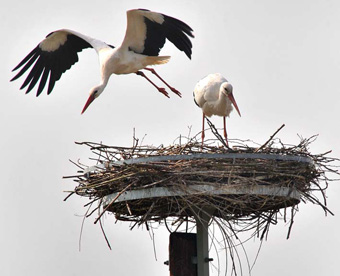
x,y
163,91
176,91
170,87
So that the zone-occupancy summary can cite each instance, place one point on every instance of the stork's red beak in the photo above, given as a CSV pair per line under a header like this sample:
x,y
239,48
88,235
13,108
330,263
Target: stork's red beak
x,y
232,99
89,101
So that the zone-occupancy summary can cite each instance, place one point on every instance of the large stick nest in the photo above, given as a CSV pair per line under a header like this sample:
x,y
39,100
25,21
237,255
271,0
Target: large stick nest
x,y
113,176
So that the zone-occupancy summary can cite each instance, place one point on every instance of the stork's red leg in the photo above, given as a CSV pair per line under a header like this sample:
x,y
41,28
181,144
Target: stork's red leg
x,y
203,135
225,130
160,89
158,76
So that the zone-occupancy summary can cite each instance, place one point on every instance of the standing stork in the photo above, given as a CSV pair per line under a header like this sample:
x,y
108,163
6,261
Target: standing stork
x,y
214,94
145,35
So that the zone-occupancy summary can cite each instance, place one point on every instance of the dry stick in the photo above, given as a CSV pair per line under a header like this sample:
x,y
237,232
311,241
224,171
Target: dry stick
x,y
91,202
179,225
316,201
66,198
215,132
95,209
128,207
82,226
74,163
291,221
271,137
70,176
98,146
109,205
106,239
147,213
257,255
133,226
134,139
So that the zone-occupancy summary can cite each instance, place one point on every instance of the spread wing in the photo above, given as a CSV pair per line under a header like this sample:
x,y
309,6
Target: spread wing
x,y
147,32
51,58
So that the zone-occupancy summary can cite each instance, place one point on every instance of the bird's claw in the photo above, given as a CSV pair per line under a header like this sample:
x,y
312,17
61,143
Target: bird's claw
x,y
163,91
176,92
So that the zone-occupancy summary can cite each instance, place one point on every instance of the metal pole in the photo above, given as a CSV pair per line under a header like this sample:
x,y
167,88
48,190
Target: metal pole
x,y
202,221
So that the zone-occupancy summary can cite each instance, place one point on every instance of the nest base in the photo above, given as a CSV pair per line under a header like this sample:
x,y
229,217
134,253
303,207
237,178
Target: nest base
x,y
232,201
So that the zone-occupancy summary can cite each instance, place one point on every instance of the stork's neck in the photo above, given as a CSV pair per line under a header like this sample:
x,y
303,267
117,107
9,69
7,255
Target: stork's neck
x,y
99,88
224,104
222,99
104,80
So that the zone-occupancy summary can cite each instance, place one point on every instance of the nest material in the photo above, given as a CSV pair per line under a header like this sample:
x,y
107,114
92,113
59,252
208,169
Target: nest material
x,y
113,176
184,175
233,214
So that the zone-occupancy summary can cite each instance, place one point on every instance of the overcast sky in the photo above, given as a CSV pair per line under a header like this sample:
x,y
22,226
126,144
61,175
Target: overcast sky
x,y
283,59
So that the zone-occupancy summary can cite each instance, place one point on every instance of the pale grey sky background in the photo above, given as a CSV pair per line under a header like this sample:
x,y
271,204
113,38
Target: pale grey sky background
x,y
283,59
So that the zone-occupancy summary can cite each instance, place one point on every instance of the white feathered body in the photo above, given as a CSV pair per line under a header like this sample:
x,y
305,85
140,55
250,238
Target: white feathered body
x,y
209,97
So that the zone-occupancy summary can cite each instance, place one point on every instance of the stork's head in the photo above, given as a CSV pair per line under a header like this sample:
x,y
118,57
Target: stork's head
x,y
227,90
94,93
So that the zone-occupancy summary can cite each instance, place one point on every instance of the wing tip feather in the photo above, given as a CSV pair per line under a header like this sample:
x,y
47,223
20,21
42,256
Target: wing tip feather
x,y
48,61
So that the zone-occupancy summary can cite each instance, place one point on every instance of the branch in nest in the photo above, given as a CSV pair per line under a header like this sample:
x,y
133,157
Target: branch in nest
x,y
215,132
271,138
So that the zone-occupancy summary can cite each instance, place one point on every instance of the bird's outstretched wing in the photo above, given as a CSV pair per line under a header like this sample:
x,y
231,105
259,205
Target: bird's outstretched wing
x,y
147,31
51,58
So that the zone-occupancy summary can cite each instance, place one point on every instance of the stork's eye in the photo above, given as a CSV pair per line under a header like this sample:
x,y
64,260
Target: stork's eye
x,y
94,93
227,90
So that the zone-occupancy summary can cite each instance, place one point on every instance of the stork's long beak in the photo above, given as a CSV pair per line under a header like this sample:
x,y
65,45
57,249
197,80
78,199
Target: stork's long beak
x,y
232,99
89,101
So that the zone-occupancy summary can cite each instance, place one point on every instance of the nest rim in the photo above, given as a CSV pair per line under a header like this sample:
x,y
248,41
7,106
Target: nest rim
x,y
178,157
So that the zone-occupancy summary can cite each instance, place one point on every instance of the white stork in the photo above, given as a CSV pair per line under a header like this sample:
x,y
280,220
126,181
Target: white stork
x,y
145,36
214,94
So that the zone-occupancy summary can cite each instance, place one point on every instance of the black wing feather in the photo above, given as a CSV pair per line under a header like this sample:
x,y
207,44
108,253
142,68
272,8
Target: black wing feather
x,y
32,53
50,64
51,82
27,65
172,29
39,67
155,38
177,32
32,73
43,81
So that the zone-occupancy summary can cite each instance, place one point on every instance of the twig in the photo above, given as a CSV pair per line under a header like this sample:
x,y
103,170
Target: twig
x,y
76,164
271,137
82,227
215,132
66,198
291,221
109,205
106,239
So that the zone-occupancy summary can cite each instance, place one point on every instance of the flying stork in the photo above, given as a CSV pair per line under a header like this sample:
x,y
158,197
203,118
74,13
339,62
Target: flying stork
x,y
214,95
145,35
